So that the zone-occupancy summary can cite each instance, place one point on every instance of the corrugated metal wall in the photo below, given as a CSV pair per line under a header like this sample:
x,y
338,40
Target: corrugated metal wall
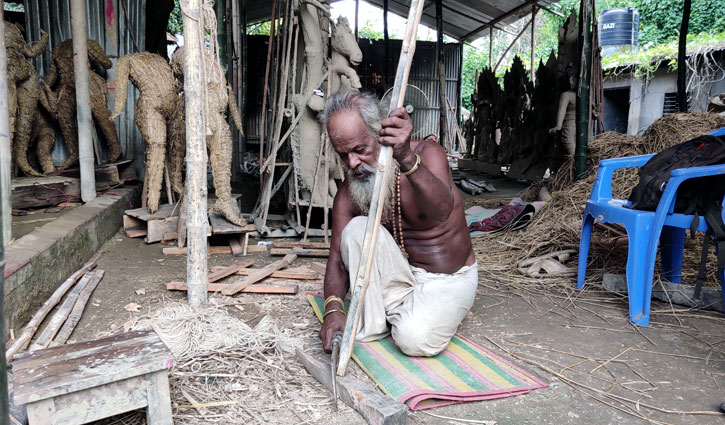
x,y
107,24
423,74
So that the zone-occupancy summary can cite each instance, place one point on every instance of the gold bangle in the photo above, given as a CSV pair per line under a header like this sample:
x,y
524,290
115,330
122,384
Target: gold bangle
x,y
333,311
415,167
332,298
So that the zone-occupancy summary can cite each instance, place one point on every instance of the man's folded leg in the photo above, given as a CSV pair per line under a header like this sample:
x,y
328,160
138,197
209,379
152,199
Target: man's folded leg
x,y
424,323
391,279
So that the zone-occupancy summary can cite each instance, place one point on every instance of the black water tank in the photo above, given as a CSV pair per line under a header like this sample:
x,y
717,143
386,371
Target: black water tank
x,y
618,27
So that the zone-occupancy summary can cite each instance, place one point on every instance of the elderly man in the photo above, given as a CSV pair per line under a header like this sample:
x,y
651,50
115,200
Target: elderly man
x,y
424,275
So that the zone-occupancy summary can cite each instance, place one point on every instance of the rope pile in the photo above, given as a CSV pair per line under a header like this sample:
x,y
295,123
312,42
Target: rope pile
x,y
194,332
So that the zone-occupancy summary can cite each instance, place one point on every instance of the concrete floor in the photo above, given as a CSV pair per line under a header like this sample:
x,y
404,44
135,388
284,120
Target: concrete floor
x,y
600,369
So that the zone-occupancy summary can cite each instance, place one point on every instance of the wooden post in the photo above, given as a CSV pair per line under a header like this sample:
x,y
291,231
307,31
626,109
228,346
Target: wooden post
x,y
533,42
386,42
582,100
196,191
682,58
357,17
442,108
490,46
83,99
6,205
384,168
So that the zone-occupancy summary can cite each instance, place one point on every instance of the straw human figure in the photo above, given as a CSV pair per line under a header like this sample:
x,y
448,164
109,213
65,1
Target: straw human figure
x,y
156,108
218,134
61,71
23,91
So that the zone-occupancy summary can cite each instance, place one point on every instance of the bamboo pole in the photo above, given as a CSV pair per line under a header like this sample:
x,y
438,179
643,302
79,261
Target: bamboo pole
x,y
6,205
505,52
314,186
196,191
270,43
83,99
534,9
385,158
282,96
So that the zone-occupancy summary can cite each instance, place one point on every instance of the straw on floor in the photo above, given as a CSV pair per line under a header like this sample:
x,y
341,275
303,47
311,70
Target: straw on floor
x,y
463,372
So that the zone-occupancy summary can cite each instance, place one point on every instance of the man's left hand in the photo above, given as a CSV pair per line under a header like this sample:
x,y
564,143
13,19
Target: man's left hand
x,y
395,132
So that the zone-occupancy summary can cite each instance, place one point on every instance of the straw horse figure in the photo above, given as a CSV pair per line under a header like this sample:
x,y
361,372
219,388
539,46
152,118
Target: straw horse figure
x,y
345,52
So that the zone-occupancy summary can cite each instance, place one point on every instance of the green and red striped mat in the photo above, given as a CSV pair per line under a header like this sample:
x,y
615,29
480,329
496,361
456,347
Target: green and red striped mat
x,y
463,372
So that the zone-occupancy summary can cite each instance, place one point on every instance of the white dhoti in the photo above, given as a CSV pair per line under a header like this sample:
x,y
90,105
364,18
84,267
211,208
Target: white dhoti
x,y
421,310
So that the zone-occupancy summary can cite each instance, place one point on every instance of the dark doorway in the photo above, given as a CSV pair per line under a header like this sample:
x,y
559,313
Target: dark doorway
x,y
616,109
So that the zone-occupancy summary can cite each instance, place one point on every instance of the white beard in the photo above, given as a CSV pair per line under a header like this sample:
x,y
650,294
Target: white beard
x,y
361,191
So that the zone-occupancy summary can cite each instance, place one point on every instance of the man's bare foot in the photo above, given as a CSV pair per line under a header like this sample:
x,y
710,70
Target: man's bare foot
x,y
230,211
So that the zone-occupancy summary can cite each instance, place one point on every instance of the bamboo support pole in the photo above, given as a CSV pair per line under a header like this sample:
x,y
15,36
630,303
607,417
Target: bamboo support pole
x,y
282,97
505,52
6,205
534,9
314,186
196,190
270,43
385,158
326,148
83,100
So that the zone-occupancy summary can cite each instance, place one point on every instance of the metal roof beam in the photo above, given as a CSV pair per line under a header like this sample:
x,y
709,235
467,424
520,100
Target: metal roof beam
x,y
500,18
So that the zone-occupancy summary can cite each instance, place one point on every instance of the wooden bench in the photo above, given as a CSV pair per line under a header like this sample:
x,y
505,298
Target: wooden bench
x,y
87,381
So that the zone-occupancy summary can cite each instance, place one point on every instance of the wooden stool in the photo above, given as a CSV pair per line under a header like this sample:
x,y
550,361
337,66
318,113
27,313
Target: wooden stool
x,y
87,381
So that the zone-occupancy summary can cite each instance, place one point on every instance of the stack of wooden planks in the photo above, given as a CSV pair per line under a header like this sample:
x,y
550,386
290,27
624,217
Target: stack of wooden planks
x,y
249,283
81,285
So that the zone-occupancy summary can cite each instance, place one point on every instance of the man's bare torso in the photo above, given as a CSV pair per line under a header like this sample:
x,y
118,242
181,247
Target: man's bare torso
x,y
437,247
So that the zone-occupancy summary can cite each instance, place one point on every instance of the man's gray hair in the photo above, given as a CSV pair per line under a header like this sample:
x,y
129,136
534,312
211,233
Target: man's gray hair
x,y
366,104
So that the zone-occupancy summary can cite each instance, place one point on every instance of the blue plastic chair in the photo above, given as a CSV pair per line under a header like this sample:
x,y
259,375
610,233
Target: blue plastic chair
x,y
644,230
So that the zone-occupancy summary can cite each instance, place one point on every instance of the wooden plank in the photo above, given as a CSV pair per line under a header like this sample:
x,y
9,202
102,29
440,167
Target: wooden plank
x,y
210,250
253,289
319,268
228,271
302,252
75,367
61,315
312,245
278,274
156,229
32,326
220,225
28,192
78,308
158,411
136,232
133,224
235,246
375,407
164,211
261,274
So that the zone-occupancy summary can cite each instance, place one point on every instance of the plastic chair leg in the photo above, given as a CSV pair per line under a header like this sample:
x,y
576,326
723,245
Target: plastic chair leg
x,y
672,245
584,240
638,290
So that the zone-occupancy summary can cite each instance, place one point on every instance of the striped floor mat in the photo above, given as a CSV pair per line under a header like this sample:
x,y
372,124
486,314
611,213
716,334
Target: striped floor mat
x,y
463,372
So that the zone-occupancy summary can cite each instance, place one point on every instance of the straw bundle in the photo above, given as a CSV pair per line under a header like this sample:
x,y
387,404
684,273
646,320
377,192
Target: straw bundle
x,y
558,226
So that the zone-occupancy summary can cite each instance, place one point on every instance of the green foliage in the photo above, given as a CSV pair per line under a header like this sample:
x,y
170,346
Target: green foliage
x,y
176,24
659,20
260,28
649,58
370,31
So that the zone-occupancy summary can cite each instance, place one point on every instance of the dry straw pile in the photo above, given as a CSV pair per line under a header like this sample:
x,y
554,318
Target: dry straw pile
x,y
558,226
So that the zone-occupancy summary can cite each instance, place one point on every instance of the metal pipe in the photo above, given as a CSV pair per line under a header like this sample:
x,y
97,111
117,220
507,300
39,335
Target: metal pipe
x,y
83,99
196,191
6,205
582,101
